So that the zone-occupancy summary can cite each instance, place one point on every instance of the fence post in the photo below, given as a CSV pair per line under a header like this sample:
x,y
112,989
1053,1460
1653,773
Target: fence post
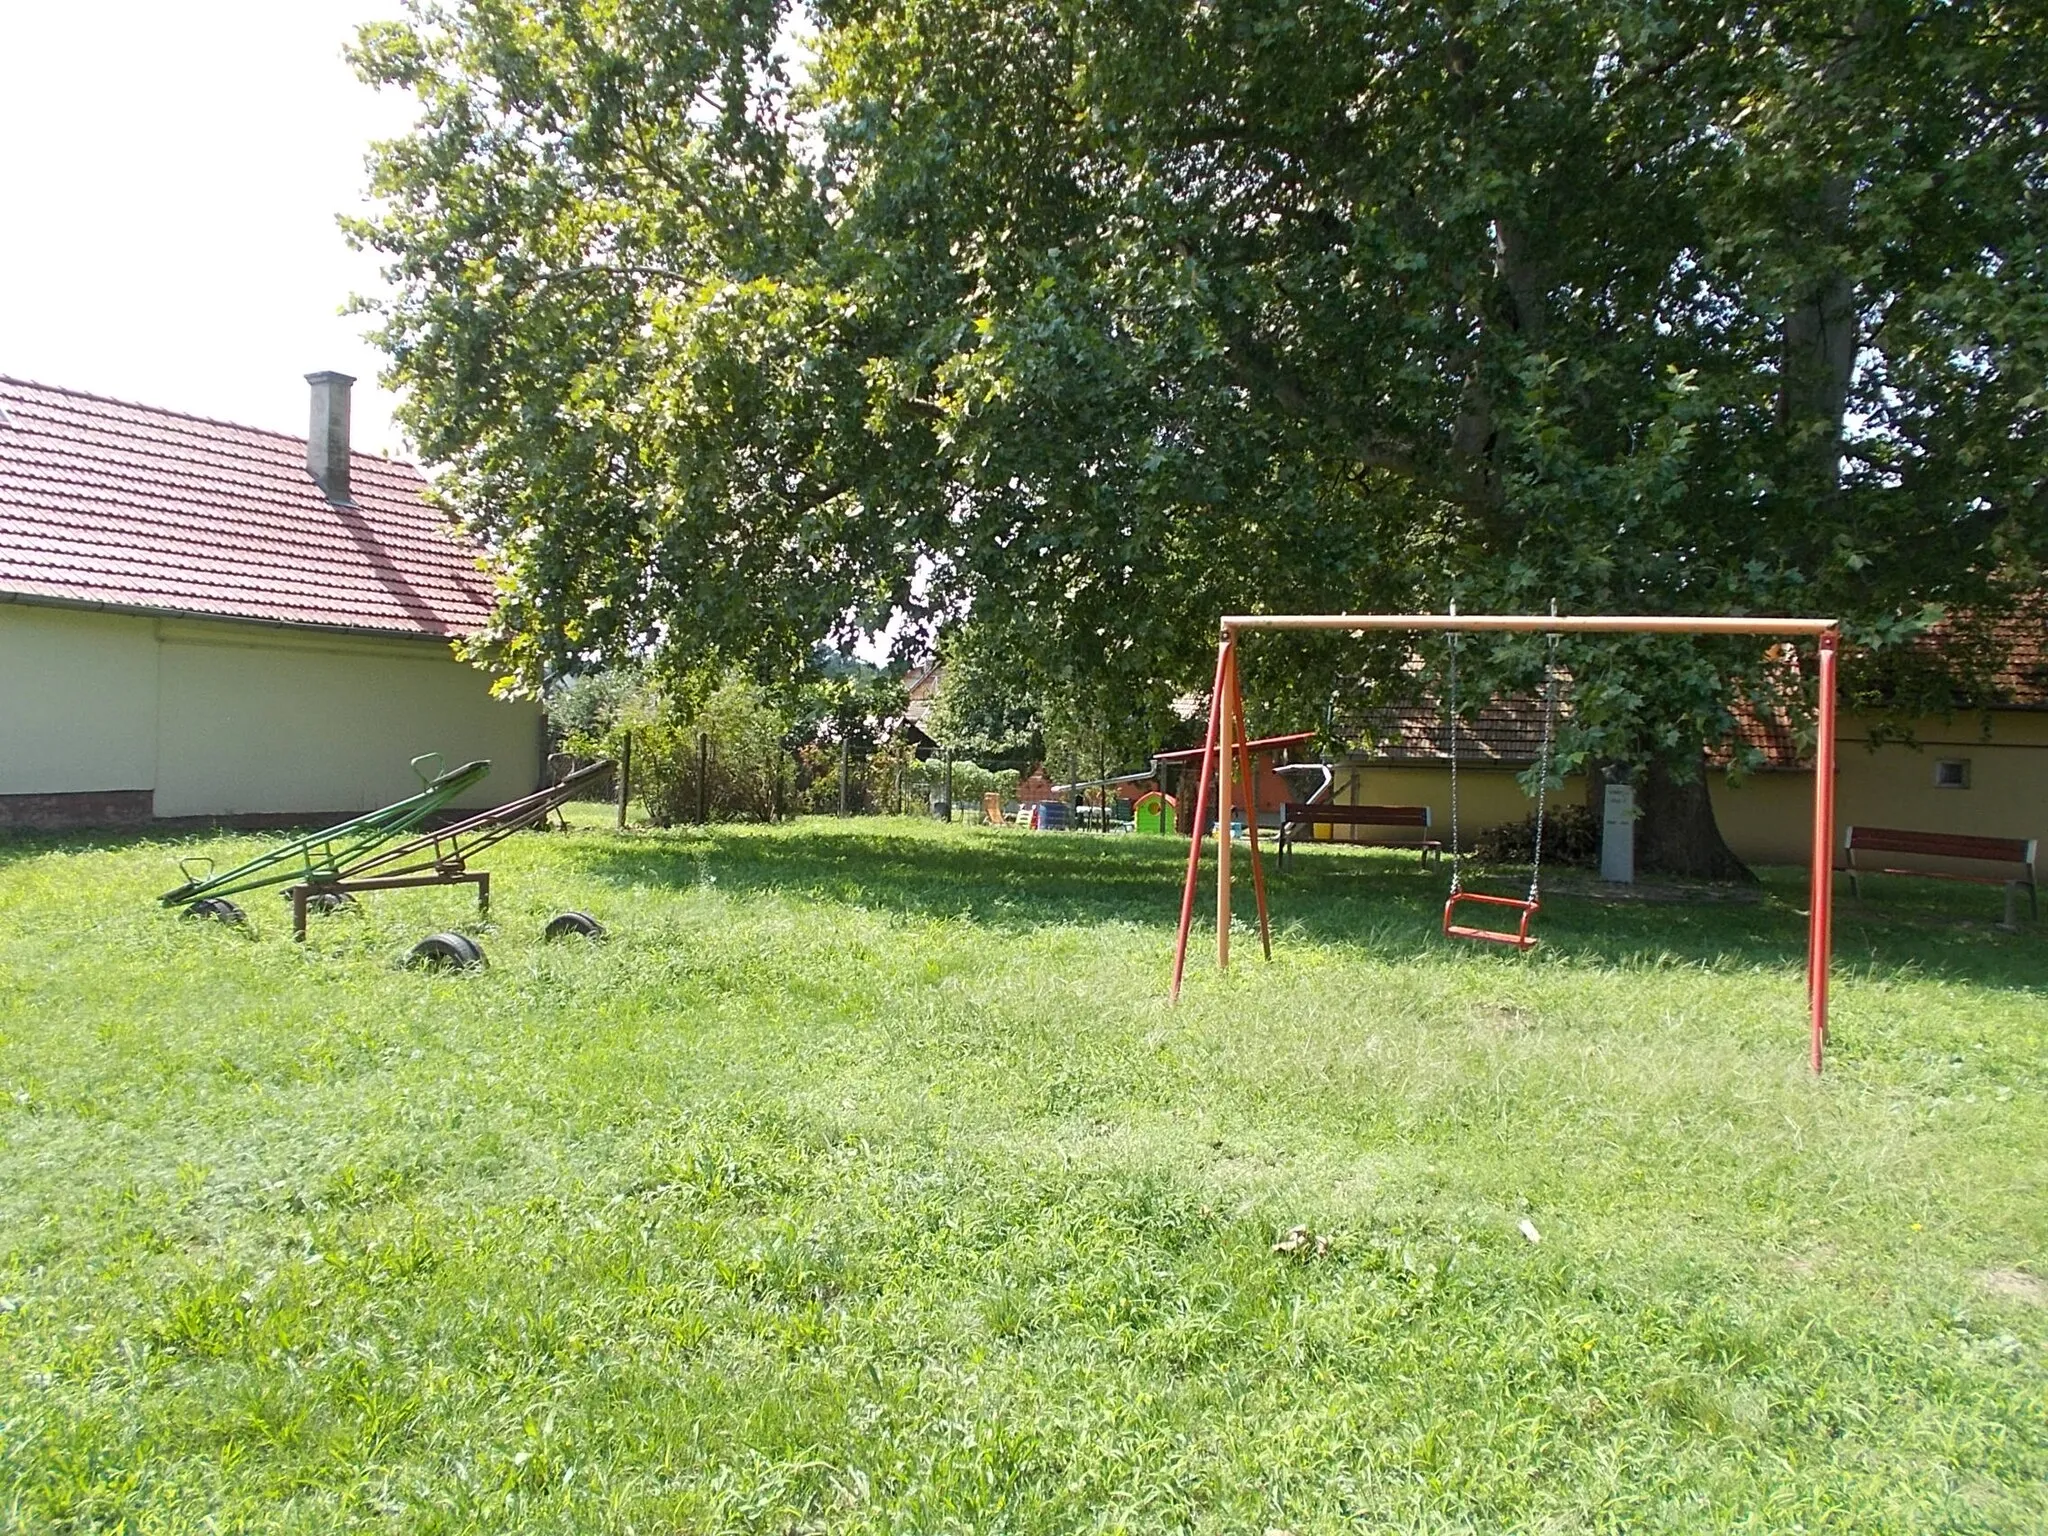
x,y
625,777
949,788
842,775
703,777
775,788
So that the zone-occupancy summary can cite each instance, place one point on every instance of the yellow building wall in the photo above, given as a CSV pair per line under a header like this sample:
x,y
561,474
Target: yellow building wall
x,y
225,719
1767,818
1487,797
77,701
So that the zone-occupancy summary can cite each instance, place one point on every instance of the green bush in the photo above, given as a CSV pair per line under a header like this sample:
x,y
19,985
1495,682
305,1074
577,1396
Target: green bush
x,y
1570,836
745,734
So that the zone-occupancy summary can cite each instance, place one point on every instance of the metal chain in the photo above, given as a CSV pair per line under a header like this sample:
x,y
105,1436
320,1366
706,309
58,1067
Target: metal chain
x,y
1457,858
1543,763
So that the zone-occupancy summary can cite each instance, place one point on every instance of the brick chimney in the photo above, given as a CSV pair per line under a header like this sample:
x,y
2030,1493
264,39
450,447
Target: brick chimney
x,y
327,438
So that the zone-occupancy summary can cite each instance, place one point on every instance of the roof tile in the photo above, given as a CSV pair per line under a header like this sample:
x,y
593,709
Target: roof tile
x,y
130,506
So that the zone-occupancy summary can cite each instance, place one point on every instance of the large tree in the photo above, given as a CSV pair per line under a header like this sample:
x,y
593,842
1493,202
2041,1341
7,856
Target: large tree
x,y
1102,317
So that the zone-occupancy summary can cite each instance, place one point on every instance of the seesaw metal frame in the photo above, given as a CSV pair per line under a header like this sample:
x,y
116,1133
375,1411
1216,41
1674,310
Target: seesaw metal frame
x,y
389,849
441,857
1226,739
332,852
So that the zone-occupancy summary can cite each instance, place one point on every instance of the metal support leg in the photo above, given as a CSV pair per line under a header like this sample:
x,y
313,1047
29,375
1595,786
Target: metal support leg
x,y
483,893
299,913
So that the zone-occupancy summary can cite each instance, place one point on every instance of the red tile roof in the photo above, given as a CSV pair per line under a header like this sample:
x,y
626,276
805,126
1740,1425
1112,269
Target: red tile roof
x,y
1509,731
1506,732
2021,645
1767,728
129,506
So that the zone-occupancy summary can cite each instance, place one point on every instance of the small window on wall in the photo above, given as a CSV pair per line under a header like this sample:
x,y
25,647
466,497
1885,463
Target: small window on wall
x,y
1952,773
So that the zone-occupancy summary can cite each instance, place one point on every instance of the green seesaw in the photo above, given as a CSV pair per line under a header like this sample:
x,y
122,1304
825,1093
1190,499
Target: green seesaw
x,y
323,857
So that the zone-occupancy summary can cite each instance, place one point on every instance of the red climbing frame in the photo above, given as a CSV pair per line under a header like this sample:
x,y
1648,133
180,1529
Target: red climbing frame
x,y
1226,737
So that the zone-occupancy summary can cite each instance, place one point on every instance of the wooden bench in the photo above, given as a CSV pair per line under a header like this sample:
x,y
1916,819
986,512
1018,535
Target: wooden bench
x,y
1890,843
1323,813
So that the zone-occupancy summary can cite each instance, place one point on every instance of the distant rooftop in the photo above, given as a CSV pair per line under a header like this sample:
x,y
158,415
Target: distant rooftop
x,y
110,504
1508,731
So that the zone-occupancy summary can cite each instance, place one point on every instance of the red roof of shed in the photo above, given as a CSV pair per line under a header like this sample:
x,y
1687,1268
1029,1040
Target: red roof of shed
x,y
128,506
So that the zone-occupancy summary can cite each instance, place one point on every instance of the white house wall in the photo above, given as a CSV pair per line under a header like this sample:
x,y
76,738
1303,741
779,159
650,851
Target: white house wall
x,y
225,719
77,701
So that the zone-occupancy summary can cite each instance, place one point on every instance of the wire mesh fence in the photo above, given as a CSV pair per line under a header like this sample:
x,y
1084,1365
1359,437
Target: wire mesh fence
x,y
697,779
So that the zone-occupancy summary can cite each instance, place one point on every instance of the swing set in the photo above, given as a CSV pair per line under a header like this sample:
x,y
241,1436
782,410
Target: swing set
x,y
1525,907
1226,741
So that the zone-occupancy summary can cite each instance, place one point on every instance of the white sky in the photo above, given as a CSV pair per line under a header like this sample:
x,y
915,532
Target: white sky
x,y
170,172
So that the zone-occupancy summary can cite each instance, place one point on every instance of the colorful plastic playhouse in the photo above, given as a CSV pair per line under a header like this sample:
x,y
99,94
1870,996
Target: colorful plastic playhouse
x,y
1152,814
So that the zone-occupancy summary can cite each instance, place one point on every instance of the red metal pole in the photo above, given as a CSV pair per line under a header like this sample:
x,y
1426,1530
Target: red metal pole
x,y
1226,759
1820,944
1187,895
1251,780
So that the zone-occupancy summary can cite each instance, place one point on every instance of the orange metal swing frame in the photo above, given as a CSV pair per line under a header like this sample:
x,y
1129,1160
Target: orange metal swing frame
x,y
1521,938
1226,742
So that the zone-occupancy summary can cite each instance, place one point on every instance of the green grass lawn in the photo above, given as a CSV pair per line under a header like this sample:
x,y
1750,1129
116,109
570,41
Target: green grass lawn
x,y
864,1181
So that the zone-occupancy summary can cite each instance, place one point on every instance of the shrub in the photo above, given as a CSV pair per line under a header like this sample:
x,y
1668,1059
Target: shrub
x,y
883,782
1570,836
745,737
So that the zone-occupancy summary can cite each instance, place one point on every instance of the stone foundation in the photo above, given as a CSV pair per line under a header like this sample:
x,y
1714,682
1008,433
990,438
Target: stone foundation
x,y
88,808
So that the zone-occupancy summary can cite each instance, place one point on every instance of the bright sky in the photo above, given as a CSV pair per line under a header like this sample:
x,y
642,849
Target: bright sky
x,y
170,172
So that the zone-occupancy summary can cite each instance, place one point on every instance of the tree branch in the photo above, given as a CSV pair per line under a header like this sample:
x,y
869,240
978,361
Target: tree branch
x,y
609,269
1253,365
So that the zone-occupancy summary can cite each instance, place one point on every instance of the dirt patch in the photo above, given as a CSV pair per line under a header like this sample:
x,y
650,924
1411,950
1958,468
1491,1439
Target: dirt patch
x,y
1505,1017
2015,1285
1301,1243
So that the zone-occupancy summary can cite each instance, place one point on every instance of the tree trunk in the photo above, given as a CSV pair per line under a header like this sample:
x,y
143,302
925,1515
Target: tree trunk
x,y
1676,833
1820,340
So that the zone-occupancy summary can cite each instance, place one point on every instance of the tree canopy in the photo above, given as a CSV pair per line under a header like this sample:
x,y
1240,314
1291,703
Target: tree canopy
x,y
740,325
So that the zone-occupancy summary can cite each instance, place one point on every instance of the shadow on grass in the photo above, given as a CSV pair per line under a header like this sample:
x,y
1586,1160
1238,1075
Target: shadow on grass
x,y
1016,882
20,846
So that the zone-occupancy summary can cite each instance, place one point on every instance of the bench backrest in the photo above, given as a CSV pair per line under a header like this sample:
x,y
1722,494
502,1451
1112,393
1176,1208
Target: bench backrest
x,y
1358,815
1940,845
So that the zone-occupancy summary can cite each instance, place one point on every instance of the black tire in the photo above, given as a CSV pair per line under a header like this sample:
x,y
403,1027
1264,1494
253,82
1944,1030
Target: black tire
x,y
573,925
219,909
446,952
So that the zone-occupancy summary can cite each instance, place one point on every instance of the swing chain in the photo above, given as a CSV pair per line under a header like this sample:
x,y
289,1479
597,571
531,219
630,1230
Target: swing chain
x,y
1457,857
1543,763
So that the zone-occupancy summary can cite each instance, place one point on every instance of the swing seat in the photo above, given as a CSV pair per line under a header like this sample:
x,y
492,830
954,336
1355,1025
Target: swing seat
x,y
1521,938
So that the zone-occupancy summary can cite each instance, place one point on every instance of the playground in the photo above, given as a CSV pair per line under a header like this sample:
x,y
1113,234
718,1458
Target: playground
x,y
865,1179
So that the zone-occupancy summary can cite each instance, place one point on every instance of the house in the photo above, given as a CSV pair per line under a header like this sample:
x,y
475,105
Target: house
x,y
207,621
1983,772
920,692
